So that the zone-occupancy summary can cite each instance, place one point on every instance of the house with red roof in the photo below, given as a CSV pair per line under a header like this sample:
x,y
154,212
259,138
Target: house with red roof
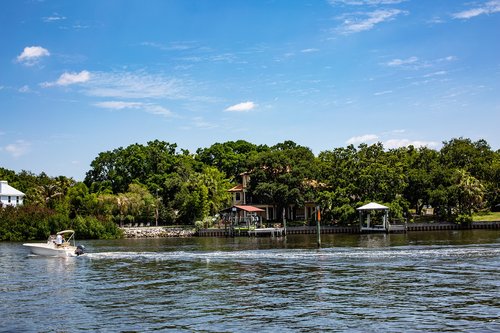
x,y
243,202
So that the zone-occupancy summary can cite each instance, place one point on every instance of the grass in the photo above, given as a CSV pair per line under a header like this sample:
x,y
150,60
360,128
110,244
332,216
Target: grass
x,y
489,216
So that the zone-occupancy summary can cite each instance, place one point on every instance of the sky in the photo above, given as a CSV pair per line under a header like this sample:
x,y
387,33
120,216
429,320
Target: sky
x,y
78,78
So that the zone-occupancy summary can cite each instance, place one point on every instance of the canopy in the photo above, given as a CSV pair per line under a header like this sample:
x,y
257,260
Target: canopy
x,y
250,209
373,206
65,232
237,188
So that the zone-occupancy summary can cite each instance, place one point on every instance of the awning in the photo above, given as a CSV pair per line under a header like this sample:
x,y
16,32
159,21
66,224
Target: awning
x,y
250,209
237,188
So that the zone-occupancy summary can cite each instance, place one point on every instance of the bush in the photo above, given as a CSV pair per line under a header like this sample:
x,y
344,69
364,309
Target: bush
x,y
199,225
92,228
463,219
32,222
207,222
24,223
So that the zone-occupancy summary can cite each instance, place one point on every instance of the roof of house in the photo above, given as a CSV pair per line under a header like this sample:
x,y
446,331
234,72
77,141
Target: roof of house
x,y
6,189
249,208
237,188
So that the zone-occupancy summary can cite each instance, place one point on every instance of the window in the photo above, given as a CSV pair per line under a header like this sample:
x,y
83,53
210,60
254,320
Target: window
x,y
237,196
8,199
17,200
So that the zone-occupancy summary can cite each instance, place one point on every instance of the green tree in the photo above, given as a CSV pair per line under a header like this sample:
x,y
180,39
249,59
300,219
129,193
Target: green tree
x,y
423,164
232,157
217,189
281,176
81,201
469,192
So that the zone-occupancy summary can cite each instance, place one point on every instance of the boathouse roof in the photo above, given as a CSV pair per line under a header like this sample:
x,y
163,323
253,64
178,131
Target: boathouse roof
x,y
373,206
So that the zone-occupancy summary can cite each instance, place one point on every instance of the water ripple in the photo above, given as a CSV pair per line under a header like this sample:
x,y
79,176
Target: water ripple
x,y
206,289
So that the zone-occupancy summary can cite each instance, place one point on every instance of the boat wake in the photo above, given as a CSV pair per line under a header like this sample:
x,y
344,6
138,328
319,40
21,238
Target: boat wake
x,y
306,254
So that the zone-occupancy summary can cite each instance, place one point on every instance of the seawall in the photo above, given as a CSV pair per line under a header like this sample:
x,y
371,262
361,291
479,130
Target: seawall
x,y
161,232
410,227
157,232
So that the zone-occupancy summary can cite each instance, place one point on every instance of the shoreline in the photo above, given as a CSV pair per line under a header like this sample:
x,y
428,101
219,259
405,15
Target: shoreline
x,y
167,232
157,232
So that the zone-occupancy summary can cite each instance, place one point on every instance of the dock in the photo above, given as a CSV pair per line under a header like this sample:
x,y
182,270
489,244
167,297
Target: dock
x,y
267,232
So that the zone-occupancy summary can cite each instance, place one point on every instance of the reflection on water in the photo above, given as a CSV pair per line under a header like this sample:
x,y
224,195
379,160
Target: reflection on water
x,y
444,281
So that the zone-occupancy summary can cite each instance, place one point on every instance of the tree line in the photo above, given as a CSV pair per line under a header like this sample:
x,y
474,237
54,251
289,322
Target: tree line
x,y
158,183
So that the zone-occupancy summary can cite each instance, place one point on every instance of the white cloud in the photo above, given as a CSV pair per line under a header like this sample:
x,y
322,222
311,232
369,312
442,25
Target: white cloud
x,y
365,2
448,58
67,79
398,143
199,122
124,85
385,92
225,57
24,89
128,85
71,78
391,143
80,26
414,62
118,105
402,62
436,20
146,107
158,110
133,85
398,131
358,22
54,18
242,107
487,8
32,54
311,50
174,46
438,73
17,149
355,140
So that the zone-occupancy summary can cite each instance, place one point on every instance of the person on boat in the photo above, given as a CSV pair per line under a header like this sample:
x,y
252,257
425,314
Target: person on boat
x,y
59,240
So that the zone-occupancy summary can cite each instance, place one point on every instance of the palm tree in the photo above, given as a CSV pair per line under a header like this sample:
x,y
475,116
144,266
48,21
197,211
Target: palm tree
x,y
470,192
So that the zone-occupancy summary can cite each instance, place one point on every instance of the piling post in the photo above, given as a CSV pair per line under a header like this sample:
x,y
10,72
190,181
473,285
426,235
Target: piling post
x,y
318,220
284,221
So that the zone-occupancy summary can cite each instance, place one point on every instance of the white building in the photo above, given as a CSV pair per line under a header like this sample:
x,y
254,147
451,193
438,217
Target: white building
x,y
9,196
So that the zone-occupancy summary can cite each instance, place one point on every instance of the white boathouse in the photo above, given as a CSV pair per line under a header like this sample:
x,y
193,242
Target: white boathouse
x,y
10,196
367,224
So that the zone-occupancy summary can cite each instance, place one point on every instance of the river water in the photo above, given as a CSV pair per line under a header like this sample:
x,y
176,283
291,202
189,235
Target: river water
x,y
446,281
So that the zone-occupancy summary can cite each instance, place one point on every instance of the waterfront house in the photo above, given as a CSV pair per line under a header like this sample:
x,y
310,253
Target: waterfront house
x,y
10,196
241,197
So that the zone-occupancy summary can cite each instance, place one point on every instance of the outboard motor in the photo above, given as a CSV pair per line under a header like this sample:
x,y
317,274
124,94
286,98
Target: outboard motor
x,y
80,249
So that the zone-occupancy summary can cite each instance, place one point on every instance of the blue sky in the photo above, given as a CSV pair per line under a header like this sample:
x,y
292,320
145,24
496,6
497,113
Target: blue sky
x,y
81,77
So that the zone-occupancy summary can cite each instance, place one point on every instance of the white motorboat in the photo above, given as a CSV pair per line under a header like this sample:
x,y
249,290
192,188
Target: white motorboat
x,y
60,245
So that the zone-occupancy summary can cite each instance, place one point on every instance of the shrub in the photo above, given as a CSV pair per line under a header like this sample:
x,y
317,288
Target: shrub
x,y
463,219
92,228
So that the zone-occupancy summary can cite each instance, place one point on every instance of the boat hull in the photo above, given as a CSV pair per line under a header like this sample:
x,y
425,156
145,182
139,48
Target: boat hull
x,y
50,250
